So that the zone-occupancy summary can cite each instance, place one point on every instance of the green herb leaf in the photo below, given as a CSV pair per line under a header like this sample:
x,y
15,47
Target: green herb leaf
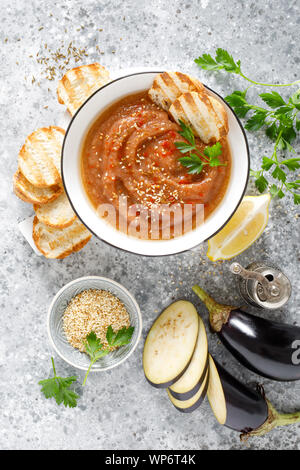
x,y
273,99
187,133
59,389
226,60
296,198
292,163
256,121
279,174
237,100
193,163
276,192
295,99
206,62
92,344
95,349
293,184
267,163
272,131
213,150
184,147
261,183
121,338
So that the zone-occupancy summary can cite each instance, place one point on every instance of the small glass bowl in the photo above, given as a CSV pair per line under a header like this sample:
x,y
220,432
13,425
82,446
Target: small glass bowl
x,y
56,333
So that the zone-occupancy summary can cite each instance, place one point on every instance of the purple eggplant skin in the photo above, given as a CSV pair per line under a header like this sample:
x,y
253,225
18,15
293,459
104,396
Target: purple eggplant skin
x,y
247,409
263,346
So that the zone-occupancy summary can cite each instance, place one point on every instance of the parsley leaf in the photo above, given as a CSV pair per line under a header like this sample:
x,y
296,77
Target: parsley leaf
x,y
223,57
256,121
273,99
237,100
206,62
121,338
94,348
184,147
195,160
276,192
193,163
279,174
59,389
261,183
187,133
223,60
296,198
292,163
267,163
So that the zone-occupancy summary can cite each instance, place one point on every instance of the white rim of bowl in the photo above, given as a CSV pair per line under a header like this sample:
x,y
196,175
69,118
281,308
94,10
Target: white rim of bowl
x,y
85,278
149,71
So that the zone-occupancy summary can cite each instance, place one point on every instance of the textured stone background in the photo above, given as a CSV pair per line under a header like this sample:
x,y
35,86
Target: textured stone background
x,y
119,410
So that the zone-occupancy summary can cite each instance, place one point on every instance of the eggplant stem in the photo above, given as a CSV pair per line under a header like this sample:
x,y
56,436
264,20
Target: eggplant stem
x,y
218,313
274,420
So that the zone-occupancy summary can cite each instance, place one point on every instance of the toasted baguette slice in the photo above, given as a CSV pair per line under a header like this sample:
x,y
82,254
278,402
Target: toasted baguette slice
x,y
57,214
57,244
29,193
168,86
79,83
39,158
203,113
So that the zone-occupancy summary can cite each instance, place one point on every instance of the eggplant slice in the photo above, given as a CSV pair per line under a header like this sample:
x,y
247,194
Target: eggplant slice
x,y
215,393
170,344
190,382
187,406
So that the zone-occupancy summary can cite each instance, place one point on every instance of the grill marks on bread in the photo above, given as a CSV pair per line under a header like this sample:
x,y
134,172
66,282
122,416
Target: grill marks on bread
x,y
30,193
203,113
39,158
168,86
60,243
79,83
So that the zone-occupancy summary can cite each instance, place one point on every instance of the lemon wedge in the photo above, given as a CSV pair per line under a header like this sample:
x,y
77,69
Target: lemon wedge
x,y
246,225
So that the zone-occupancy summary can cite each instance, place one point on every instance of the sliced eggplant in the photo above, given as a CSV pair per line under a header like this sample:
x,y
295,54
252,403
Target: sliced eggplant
x,y
215,393
266,347
170,344
187,406
240,408
190,382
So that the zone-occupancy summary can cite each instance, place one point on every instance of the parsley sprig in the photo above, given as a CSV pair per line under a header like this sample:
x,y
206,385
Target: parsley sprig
x,y
96,350
279,118
224,61
59,388
195,160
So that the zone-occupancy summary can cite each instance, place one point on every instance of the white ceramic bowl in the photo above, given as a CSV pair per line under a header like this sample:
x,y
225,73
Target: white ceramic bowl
x,y
58,338
71,174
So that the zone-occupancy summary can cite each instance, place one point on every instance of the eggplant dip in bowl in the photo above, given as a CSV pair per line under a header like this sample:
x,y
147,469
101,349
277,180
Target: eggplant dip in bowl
x,y
155,163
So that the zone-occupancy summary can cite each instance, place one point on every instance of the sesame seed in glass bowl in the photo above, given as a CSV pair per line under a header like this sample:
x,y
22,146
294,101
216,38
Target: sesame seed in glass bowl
x,y
89,304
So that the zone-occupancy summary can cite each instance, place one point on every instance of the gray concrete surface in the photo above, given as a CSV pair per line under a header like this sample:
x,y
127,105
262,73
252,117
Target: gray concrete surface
x,y
118,409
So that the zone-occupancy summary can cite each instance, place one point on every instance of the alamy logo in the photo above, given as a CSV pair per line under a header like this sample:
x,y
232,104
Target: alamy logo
x,y
296,354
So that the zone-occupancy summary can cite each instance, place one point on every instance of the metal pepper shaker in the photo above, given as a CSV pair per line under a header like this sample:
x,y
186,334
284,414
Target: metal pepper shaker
x,y
262,286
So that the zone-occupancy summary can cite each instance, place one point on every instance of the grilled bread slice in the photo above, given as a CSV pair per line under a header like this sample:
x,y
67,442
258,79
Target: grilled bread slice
x,y
39,158
168,86
79,83
57,214
29,193
57,244
206,116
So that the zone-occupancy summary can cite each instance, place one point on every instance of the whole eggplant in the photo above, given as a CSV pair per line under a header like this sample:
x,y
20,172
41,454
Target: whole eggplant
x,y
249,411
266,347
